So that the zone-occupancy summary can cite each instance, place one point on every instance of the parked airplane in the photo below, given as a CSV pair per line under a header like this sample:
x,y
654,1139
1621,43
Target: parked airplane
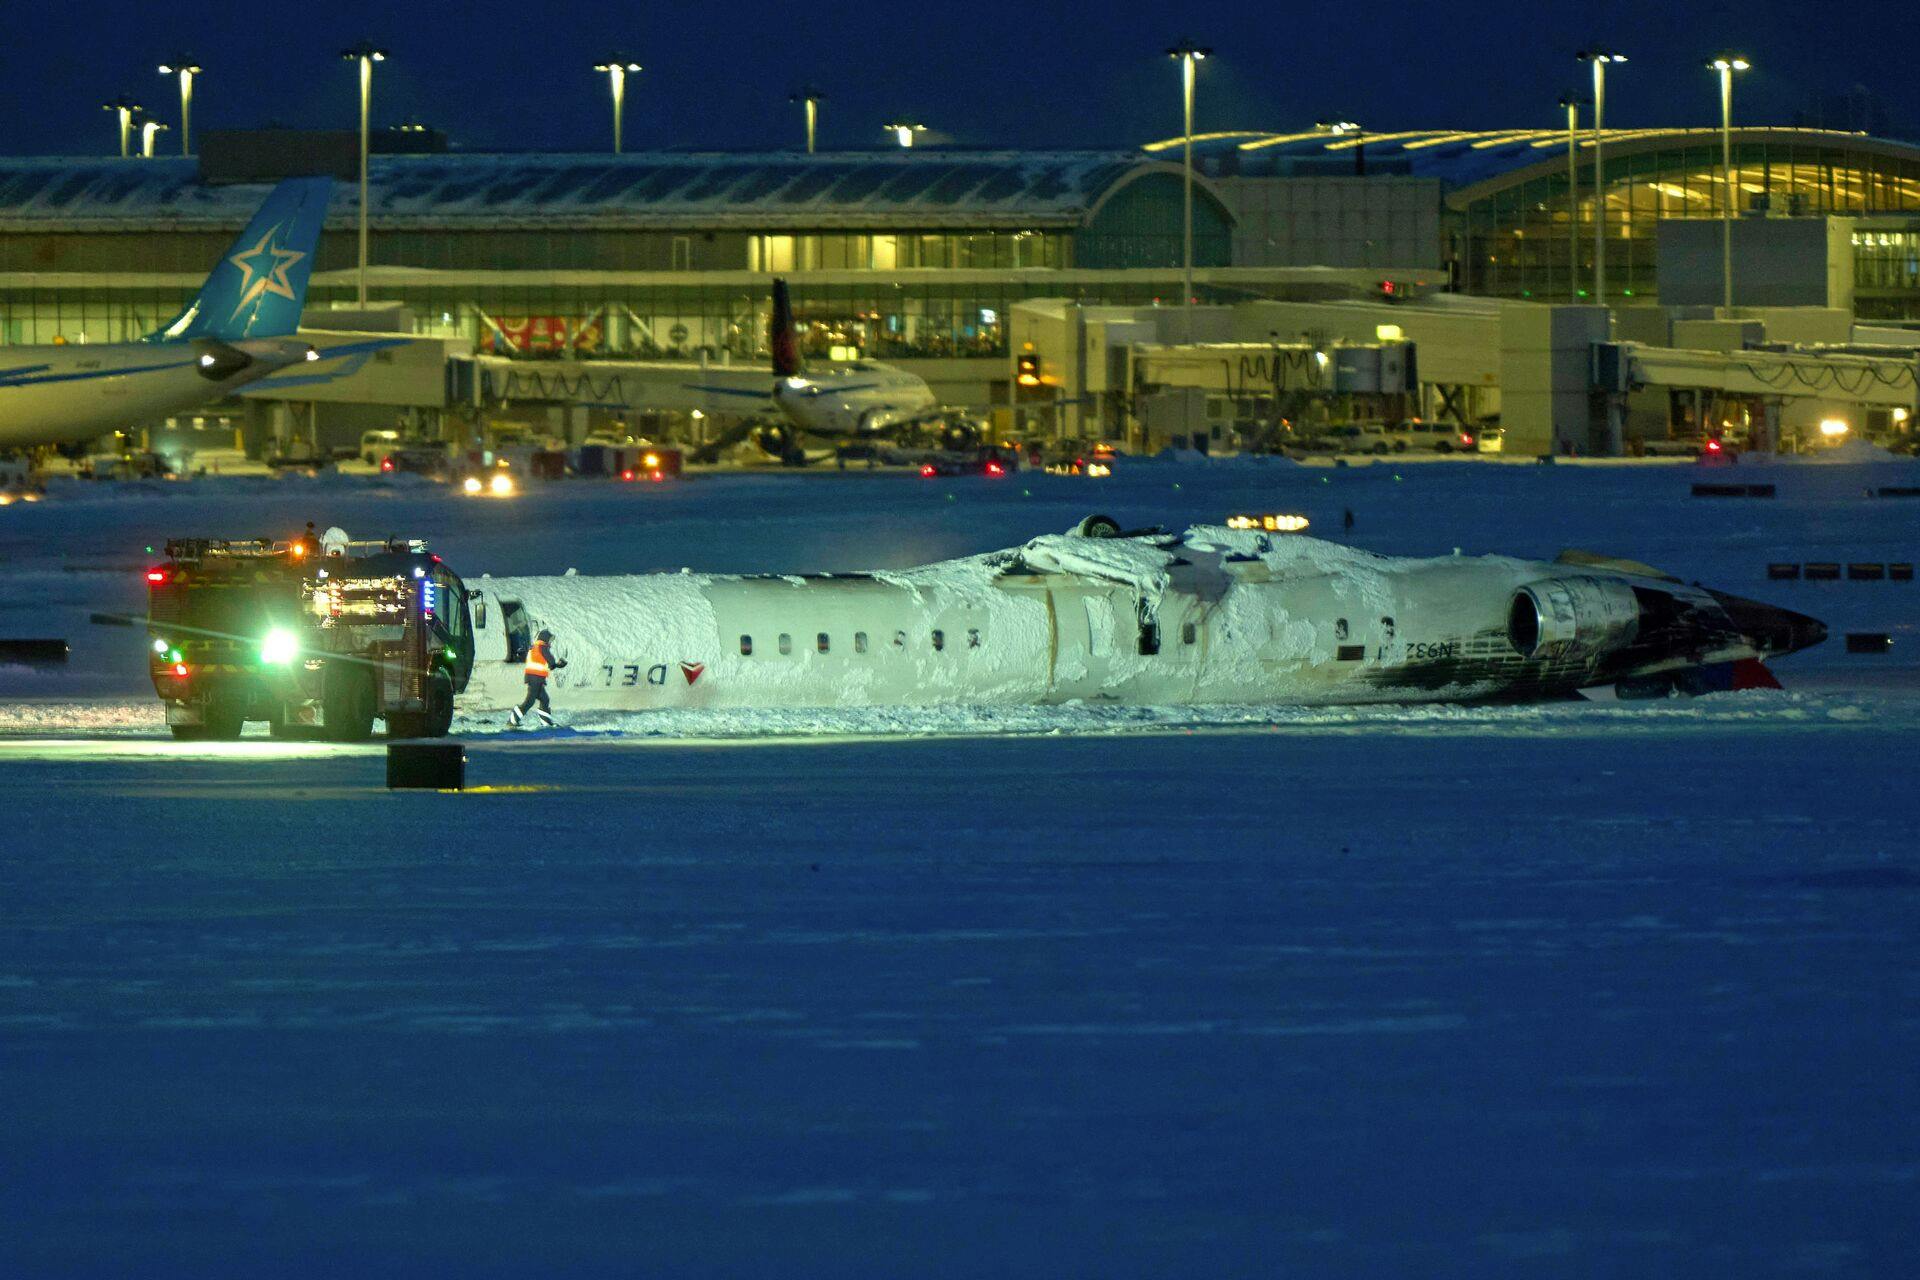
x,y
237,330
1212,615
857,402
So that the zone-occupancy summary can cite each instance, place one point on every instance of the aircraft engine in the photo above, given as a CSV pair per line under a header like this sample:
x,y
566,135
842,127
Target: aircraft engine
x,y
1572,617
778,439
959,435
219,361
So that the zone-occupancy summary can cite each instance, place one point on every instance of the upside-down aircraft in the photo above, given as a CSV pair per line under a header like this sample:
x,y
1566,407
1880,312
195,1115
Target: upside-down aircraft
x,y
1211,615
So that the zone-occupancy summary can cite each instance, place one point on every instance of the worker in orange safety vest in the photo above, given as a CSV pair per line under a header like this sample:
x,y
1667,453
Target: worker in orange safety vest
x,y
540,664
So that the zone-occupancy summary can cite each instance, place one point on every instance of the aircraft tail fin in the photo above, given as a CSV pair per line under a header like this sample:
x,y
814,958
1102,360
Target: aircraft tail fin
x,y
259,286
781,334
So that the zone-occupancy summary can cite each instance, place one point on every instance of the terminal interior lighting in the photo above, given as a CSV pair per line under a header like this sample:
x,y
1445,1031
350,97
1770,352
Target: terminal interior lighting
x,y
1833,428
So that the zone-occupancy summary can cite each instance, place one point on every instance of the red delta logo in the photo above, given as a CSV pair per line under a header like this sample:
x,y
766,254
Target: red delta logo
x,y
692,670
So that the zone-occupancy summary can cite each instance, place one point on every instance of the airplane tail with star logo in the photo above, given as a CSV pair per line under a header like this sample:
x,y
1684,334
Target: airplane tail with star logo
x,y
259,286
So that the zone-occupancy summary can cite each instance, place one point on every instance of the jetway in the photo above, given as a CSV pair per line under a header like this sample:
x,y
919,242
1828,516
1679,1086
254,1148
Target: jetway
x,y
627,386
1891,380
1785,392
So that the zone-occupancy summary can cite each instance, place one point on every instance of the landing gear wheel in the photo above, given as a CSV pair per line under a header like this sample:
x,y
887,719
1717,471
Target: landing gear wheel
x,y
1098,527
348,702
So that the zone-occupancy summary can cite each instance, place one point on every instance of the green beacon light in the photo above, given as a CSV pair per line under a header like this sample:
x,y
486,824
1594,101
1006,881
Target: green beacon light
x,y
279,648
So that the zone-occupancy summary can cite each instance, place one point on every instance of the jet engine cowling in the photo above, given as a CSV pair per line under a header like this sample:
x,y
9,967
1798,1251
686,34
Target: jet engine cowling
x,y
1575,617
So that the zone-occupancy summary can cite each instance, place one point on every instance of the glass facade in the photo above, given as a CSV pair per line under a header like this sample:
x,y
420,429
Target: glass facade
x,y
1526,240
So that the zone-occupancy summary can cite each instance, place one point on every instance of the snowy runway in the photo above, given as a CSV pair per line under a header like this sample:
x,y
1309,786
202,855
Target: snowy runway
x,y
1563,990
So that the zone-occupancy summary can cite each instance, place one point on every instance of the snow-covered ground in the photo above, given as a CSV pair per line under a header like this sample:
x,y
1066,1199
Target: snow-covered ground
x,y
1570,990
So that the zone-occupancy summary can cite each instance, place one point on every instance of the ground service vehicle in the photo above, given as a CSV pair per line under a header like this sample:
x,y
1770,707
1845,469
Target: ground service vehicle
x,y
315,636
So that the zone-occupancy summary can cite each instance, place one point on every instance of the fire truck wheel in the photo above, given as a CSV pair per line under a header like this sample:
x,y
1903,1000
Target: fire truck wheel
x,y
439,717
349,704
188,732
223,719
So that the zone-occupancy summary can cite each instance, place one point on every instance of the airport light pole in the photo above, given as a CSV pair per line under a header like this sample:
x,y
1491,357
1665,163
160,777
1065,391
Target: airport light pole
x,y
1572,104
811,99
1600,60
125,109
148,128
1188,54
1726,64
903,131
365,54
617,68
186,68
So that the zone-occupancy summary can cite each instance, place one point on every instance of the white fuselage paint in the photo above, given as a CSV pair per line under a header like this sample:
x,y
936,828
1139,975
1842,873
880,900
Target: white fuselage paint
x,y
73,393
860,398
1242,618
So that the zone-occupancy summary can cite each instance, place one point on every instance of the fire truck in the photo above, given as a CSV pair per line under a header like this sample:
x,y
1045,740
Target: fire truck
x,y
319,637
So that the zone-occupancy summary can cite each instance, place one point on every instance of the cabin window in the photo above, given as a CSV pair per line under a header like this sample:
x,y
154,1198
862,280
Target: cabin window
x,y
1386,628
786,644
821,642
859,642
973,637
746,646
939,640
1339,628
1188,633
899,639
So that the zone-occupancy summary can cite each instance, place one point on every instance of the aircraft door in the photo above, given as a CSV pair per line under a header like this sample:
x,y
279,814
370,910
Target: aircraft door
x,y
518,628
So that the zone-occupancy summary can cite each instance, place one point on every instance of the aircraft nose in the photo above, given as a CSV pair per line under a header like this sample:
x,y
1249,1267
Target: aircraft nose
x,y
1770,629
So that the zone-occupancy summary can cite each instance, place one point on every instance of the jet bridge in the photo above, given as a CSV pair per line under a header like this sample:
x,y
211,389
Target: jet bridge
x,y
1792,386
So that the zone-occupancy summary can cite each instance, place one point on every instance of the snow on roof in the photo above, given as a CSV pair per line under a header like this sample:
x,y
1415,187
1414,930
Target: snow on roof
x,y
931,189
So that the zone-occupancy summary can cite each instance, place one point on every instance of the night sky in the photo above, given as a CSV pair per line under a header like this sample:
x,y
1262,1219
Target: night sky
x,y
517,77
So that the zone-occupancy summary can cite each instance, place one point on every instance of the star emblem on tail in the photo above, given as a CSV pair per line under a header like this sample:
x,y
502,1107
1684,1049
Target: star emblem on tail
x,y
263,270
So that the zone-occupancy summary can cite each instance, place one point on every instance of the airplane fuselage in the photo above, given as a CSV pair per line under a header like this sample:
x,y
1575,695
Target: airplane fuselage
x,y
864,398
68,394
1220,617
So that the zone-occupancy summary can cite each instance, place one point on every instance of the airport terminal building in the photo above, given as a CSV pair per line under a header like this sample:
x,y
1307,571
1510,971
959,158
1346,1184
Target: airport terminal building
x,y
895,254
921,257
1504,214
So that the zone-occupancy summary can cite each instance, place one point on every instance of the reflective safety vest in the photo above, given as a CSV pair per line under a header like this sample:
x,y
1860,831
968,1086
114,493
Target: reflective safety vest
x,y
537,660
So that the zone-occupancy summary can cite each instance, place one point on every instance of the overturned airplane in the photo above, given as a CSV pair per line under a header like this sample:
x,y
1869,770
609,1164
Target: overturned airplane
x,y
1211,615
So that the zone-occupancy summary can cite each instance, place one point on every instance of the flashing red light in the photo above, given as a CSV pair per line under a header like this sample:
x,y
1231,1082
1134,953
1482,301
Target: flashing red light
x,y
1466,439
1713,446
995,469
928,470
180,670
626,476
386,464
1389,288
156,577
657,476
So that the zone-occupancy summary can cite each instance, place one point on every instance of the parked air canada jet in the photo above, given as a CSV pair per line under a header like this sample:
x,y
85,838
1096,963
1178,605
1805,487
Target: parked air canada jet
x,y
237,330
857,402
1212,615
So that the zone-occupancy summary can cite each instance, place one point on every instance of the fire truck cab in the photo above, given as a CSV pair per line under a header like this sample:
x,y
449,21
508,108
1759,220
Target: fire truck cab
x,y
317,637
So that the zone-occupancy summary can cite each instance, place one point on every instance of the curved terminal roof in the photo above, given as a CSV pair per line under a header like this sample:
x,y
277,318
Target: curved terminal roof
x,y
768,191
1467,157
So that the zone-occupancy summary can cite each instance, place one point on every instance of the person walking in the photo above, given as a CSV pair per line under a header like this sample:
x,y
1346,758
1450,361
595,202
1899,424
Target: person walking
x,y
540,664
